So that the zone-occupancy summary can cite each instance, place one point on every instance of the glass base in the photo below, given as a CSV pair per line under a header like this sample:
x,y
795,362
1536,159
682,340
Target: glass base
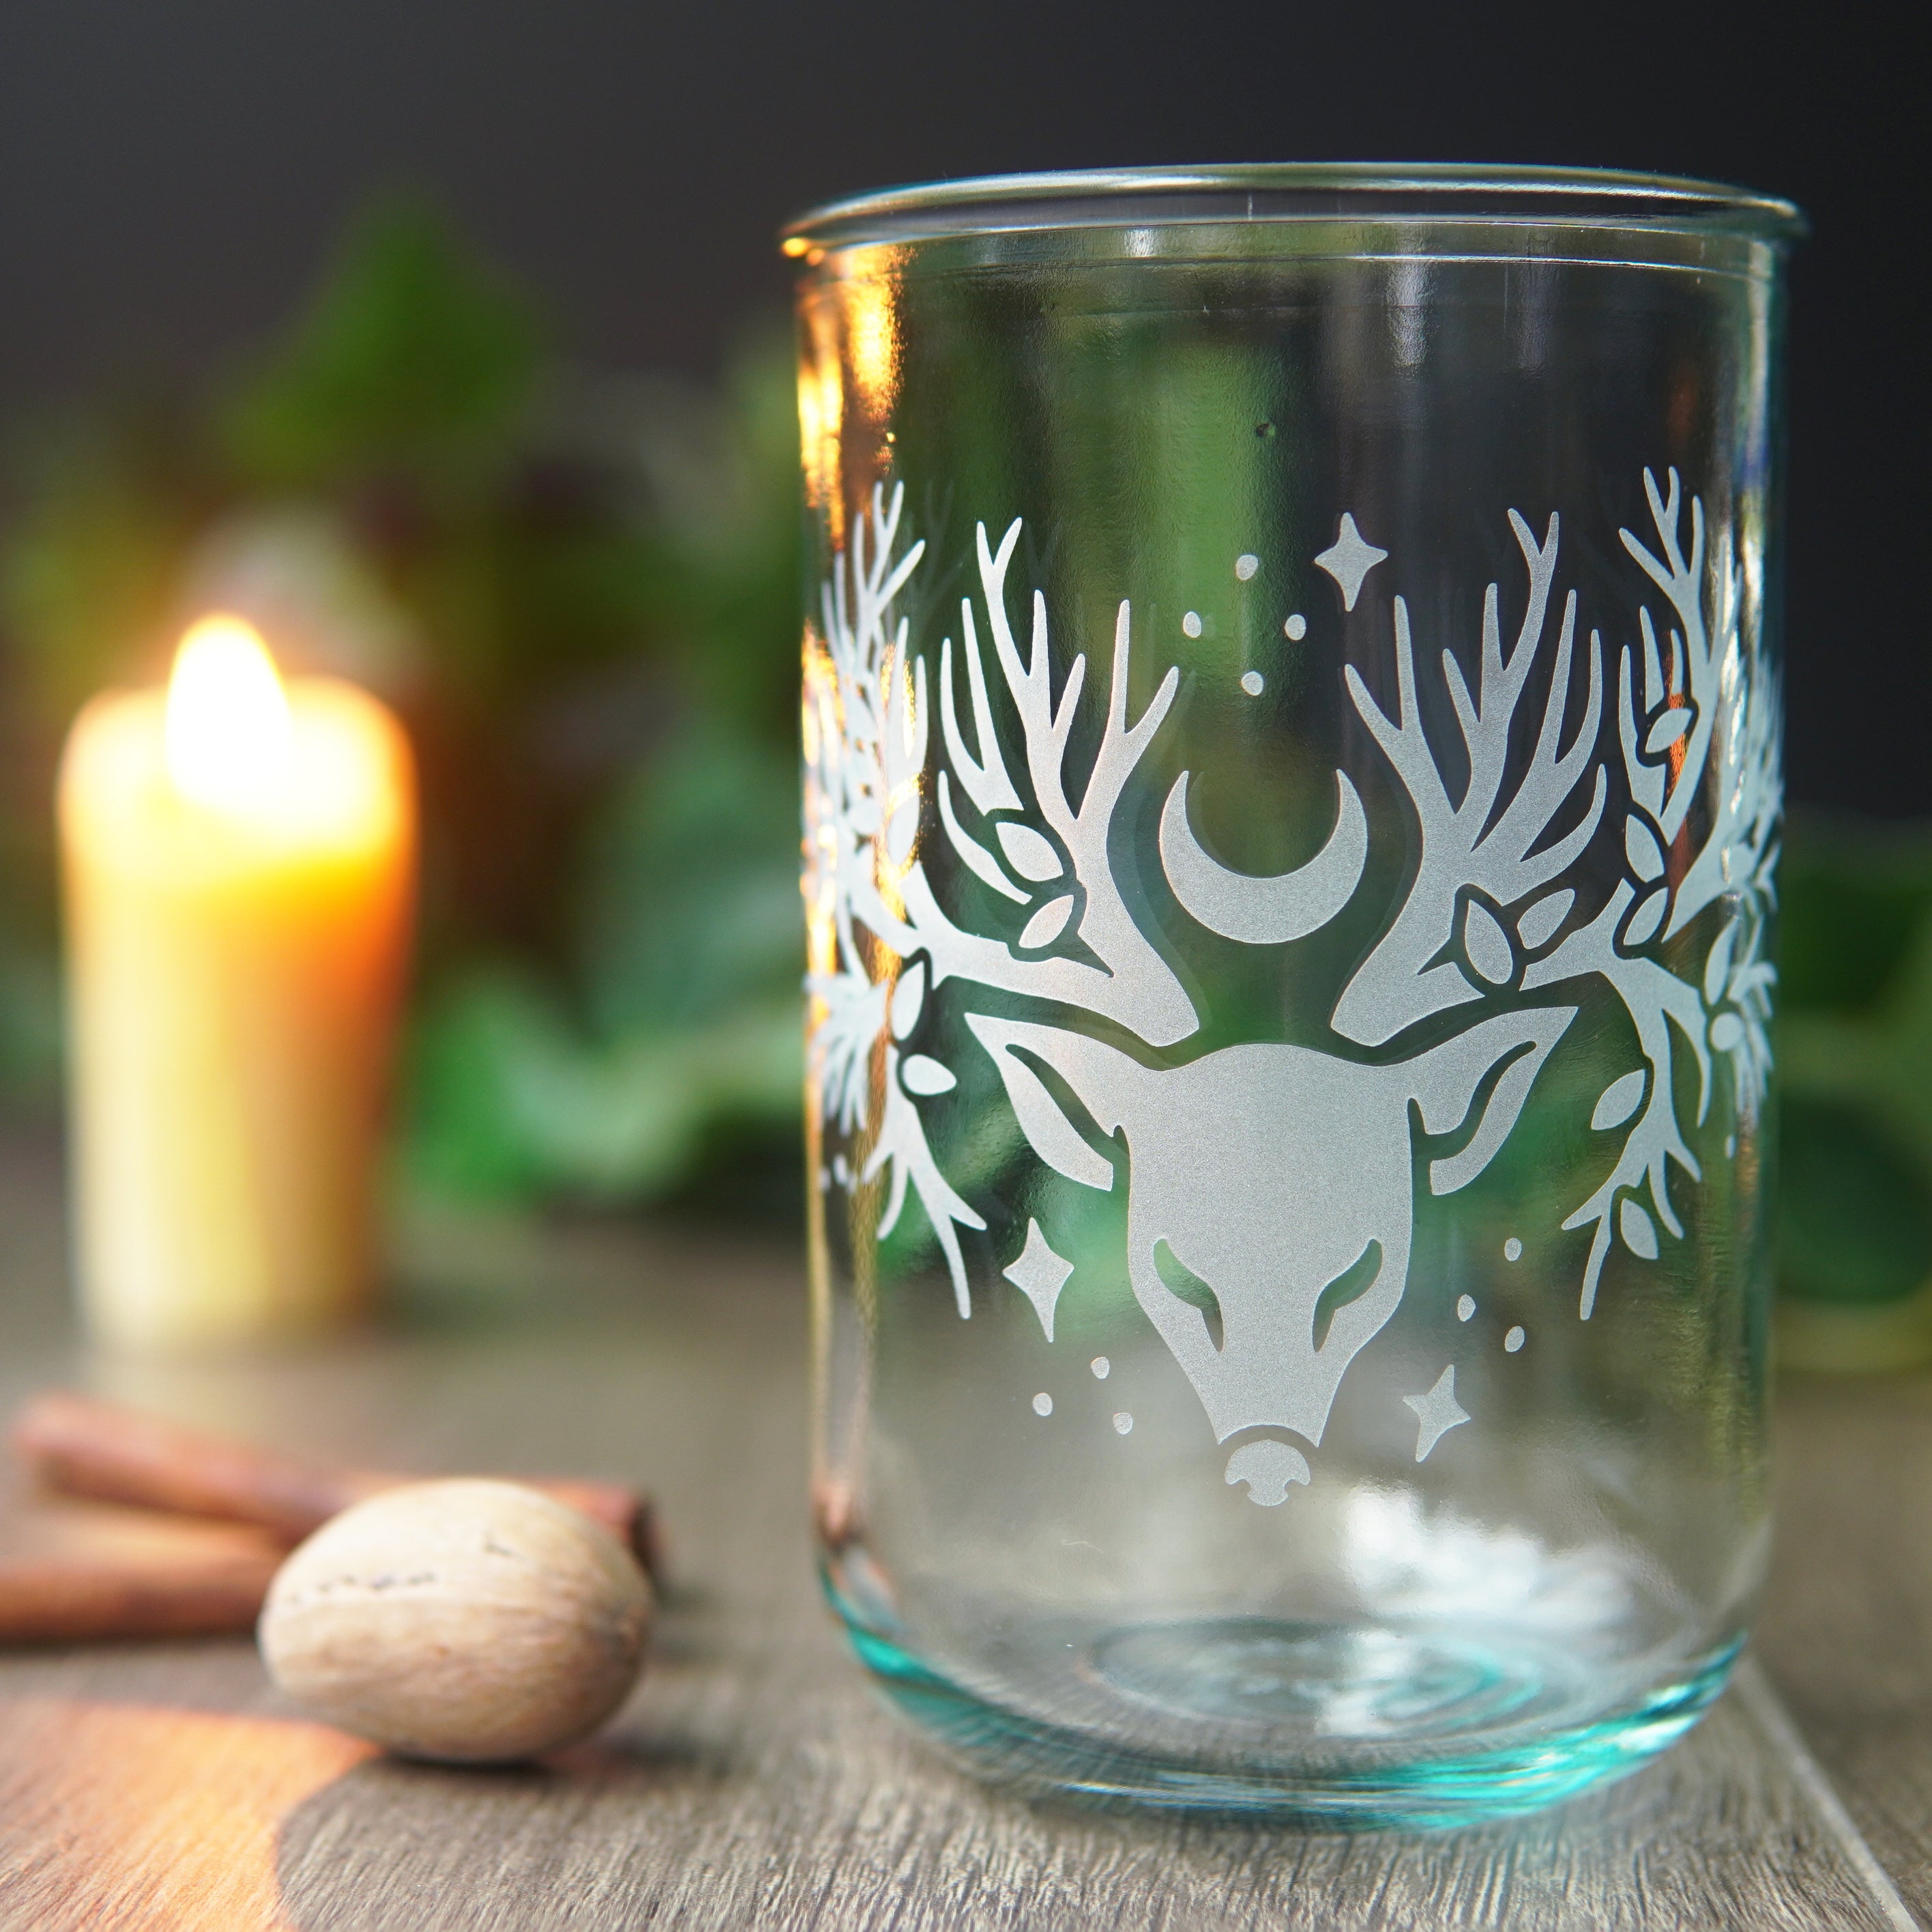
x,y
1354,1726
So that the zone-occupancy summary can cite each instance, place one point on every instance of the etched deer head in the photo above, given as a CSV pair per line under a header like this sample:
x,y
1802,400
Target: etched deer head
x,y
1270,1187
1277,1181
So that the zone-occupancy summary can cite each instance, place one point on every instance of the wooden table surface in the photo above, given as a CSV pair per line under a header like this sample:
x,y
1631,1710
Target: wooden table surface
x,y
754,1782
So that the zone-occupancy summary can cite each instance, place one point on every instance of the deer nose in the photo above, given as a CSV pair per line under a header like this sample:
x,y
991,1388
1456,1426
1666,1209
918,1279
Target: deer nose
x,y
1267,1467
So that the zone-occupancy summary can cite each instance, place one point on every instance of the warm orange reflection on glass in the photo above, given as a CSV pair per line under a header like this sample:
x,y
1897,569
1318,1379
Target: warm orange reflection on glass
x,y
821,410
872,300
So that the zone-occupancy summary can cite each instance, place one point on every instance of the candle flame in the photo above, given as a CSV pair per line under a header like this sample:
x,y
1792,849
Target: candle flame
x,y
227,729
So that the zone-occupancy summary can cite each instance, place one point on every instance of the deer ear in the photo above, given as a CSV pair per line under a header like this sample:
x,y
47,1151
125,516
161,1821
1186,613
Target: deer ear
x,y
1041,1119
1447,1078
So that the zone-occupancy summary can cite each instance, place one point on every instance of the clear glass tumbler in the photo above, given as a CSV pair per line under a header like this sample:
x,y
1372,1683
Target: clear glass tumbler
x,y
1291,750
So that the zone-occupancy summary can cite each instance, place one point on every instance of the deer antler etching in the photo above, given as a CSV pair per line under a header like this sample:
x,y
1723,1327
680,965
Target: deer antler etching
x,y
873,908
1487,912
1705,717
1470,847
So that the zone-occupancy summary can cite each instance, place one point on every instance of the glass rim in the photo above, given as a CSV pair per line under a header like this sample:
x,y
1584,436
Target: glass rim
x,y
1423,193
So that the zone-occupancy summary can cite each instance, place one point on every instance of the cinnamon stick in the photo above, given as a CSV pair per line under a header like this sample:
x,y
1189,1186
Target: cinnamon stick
x,y
77,1446
72,1571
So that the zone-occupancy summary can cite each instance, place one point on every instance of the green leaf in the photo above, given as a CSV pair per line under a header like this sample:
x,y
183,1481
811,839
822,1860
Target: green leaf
x,y
507,1101
413,355
690,903
1854,1216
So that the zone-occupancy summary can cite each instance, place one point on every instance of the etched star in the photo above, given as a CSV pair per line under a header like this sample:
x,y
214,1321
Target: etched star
x,y
1439,1412
1039,1274
1348,559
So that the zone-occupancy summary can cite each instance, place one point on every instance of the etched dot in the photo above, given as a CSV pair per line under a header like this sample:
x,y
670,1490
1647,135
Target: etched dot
x,y
1465,1307
1123,1422
1730,1147
1191,623
1252,683
1296,627
1101,1368
1512,1250
1246,566
1042,1404
1514,1340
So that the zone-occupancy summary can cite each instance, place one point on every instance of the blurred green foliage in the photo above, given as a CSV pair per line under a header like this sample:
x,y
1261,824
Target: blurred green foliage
x,y
580,591
1854,1052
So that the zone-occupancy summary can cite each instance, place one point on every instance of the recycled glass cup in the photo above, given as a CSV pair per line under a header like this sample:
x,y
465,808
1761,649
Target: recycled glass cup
x,y
1291,732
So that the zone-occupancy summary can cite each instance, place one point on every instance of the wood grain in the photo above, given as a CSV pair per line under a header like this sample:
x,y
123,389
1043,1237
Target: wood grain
x,y
1846,1628
753,1782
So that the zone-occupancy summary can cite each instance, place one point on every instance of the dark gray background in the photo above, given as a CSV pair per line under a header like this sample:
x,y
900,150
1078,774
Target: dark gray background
x,y
170,171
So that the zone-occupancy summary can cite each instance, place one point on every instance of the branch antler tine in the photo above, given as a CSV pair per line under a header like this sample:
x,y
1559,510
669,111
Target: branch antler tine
x,y
1118,753
993,585
903,569
919,721
1665,522
1540,559
1060,728
1554,859
1489,676
1593,1269
1037,668
1405,667
1552,775
1117,688
1653,666
1551,728
1403,742
985,777
1121,744
1585,743
1459,696
852,607
1149,721
1386,733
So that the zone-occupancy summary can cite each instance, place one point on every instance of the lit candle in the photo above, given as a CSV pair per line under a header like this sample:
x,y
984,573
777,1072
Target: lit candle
x,y
238,858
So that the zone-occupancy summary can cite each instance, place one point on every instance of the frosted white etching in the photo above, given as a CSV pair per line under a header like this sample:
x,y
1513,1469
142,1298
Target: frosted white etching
x,y
1039,1274
1267,1467
1436,1413
1711,720
1269,1187
1272,1173
1348,559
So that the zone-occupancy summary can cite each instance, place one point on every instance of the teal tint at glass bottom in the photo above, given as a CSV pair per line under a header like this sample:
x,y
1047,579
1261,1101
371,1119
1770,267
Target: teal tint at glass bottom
x,y
1477,1742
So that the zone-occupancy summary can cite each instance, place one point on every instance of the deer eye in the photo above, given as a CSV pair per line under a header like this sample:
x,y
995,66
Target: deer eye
x,y
1354,1281
1184,1285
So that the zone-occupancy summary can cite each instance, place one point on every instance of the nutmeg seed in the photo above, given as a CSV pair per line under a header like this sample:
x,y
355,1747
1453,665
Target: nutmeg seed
x,y
470,1621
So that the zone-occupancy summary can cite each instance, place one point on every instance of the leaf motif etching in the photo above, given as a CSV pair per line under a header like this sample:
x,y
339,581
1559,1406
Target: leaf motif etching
x,y
1300,1247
